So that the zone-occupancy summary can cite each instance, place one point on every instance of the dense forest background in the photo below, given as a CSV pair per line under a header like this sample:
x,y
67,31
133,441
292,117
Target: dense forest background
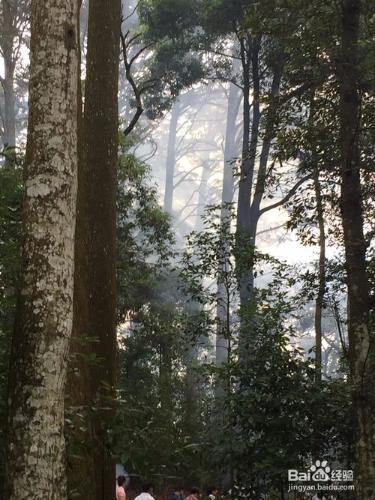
x,y
213,321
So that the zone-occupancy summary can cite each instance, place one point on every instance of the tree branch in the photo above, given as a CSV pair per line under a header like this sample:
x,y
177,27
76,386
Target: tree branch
x,y
137,92
132,12
287,197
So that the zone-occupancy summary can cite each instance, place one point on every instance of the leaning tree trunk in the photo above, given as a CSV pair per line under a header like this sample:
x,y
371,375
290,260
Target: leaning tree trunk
x,y
361,341
95,294
36,458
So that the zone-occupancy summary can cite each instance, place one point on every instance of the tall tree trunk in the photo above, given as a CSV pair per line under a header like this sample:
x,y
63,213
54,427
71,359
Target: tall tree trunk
x,y
171,158
166,388
95,287
361,341
193,378
230,152
36,458
203,192
79,426
250,62
192,354
319,303
251,191
7,43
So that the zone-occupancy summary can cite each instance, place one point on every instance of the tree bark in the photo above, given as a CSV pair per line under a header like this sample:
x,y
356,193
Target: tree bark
x,y
250,196
203,193
79,428
35,453
250,62
361,341
234,100
7,43
319,303
171,158
95,287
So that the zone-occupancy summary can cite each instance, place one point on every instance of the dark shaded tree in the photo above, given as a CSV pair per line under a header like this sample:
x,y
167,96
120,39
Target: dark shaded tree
x,y
92,386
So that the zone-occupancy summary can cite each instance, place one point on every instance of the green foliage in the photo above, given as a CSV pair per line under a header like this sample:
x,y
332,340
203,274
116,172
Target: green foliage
x,y
159,430
166,29
182,416
268,381
11,188
145,239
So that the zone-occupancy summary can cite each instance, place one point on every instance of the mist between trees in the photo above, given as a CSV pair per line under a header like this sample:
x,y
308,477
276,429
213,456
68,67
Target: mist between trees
x,y
186,245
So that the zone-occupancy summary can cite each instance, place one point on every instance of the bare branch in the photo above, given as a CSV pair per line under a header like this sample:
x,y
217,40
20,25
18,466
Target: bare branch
x,y
132,12
185,176
132,39
270,229
137,92
287,197
135,57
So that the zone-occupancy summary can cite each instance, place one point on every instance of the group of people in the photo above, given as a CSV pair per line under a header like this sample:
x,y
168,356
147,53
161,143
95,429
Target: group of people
x,y
178,493
195,494
147,490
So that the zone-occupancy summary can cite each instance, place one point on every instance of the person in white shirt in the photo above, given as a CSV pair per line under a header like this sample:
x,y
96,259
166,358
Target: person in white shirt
x,y
212,492
147,492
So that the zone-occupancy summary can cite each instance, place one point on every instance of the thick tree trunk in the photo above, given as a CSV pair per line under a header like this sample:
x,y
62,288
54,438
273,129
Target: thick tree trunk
x,y
95,287
79,431
171,158
361,341
7,42
230,152
36,458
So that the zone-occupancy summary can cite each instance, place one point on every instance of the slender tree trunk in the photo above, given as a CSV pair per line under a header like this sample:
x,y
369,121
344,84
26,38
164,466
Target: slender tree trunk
x,y
361,342
203,192
227,193
171,158
166,389
36,458
319,303
192,352
9,137
7,42
269,134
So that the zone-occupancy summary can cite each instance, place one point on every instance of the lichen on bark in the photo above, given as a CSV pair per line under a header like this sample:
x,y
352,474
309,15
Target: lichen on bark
x,y
35,455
